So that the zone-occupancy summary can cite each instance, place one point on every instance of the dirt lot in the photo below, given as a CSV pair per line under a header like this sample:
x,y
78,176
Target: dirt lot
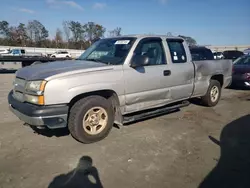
x,y
197,146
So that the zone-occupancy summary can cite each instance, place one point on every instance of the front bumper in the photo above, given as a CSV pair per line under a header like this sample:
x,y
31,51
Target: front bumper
x,y
242,83
53,116
239,80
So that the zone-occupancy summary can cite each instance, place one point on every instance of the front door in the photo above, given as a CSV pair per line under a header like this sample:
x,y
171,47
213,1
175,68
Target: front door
x,y
148,86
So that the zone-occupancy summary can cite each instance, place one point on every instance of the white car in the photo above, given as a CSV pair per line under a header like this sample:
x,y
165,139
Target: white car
x,y
61,54
5,51
218,55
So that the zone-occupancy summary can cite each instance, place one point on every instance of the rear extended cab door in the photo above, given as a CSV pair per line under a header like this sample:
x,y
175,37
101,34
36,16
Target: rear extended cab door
x,y
182,69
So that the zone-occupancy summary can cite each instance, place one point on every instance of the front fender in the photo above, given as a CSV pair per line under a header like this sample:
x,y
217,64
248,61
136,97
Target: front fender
x,y
62,90
75,91
61,94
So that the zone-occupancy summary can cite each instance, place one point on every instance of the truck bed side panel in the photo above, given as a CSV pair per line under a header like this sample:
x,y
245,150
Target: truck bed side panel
x,y
204,70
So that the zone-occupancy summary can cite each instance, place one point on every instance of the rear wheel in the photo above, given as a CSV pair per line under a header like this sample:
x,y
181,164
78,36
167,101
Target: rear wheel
x,y
213,94
91,119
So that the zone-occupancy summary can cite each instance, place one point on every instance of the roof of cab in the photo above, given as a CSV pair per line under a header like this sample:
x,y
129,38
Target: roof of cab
x,y
141,36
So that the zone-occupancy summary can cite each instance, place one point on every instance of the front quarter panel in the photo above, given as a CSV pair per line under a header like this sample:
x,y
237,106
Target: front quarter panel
x,y
62,90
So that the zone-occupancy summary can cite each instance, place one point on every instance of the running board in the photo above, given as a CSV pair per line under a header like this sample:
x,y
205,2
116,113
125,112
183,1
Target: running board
x,y
152,113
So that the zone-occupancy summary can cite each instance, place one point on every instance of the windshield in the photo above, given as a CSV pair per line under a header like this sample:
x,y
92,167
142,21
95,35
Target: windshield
x,y
245,60
110,51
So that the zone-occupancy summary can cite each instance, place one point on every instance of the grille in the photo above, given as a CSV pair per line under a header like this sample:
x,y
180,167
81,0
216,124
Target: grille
x,y
19,88
19,82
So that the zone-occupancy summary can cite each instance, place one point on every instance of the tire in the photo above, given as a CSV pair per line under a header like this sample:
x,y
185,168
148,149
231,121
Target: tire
x,y
79,129
208,99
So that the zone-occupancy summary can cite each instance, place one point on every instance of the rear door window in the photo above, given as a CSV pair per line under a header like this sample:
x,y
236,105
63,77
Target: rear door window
x,y
177,50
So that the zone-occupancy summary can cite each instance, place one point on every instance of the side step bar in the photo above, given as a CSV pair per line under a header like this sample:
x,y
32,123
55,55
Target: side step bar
x,y
152,113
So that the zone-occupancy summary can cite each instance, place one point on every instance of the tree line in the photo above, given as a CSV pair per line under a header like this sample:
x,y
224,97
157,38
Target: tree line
x,y
71,35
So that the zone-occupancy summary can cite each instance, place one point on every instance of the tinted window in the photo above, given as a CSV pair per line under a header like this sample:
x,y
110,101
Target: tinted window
x,y
153,49
245,60
23,51
177,51
201,54
15,51
233,54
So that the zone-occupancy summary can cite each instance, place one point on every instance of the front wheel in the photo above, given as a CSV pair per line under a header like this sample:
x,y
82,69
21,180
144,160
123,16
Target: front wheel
x,y
213,94
91,119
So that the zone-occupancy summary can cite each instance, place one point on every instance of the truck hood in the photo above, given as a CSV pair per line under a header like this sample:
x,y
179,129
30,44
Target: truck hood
x,y
45,70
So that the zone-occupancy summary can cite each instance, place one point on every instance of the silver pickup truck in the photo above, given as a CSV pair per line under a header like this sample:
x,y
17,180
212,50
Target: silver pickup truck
x,y
115,81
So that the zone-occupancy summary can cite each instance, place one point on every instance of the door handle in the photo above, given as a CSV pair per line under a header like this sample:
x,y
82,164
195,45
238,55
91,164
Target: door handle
x,y
166,72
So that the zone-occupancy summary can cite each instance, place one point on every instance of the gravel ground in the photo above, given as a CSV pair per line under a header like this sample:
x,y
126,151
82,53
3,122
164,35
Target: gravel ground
x,y
194,147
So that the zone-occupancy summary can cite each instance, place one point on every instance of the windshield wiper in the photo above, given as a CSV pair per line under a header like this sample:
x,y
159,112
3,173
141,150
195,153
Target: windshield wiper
x,y
95,60
98,61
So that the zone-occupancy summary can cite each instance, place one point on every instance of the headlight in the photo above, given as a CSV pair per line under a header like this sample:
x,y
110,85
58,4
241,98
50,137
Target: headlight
x,y
34,92
36,86
35,99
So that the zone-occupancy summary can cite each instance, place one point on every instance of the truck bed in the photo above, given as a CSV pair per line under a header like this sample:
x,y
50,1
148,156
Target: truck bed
x,y
205,68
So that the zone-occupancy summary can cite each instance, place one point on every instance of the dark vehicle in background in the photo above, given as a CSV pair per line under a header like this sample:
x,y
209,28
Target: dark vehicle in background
x,y
200,53
232,54
241,72
246,51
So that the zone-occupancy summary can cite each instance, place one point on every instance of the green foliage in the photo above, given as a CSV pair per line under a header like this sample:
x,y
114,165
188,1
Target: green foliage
x,y
116,32
190,41
73,34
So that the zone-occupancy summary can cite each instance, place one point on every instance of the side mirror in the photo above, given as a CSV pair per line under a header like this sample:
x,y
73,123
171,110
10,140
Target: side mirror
x,y
139,61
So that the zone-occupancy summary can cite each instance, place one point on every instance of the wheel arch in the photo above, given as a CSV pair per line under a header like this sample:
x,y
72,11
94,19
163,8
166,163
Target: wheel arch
x,y
108,94
219,78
